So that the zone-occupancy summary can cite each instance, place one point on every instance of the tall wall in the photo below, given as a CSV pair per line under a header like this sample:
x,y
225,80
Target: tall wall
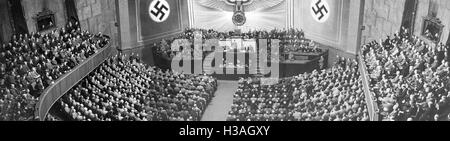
x,y
32,7
443,13
382,18
98,16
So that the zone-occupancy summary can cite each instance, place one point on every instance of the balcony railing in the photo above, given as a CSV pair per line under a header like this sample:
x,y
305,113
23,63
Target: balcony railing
x,y
55,91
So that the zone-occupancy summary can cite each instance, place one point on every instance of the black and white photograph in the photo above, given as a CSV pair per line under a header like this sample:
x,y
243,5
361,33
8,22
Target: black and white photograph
x,y
224,61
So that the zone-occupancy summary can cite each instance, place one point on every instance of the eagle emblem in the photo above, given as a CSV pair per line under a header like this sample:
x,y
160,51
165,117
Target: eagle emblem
x,y
239,7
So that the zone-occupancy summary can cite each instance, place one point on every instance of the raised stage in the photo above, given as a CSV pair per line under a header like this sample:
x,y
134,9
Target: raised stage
x,y
291,64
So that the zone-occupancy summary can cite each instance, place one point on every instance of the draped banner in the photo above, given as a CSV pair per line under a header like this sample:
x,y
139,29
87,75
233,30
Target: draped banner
x,y
158,18
322,20
72,15
18,17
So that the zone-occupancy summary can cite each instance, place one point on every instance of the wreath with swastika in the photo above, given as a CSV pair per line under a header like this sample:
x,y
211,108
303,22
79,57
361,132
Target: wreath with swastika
x,y
239,18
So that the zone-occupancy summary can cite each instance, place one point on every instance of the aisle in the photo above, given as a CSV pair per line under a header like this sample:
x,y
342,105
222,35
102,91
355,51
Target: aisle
x,y
218,109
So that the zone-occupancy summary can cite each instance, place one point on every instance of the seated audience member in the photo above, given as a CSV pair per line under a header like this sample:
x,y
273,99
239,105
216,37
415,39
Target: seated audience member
x,y
412,74
123,89
31,62
327,95
51,117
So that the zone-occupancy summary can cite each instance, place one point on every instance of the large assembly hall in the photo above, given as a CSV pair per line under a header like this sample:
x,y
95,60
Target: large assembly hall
x,y
224,60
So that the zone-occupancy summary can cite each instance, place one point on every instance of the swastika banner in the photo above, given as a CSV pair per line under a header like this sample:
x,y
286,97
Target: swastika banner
x,y
159,17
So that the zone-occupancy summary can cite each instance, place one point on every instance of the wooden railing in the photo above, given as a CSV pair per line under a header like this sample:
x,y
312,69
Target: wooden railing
x,y
371,103
55,91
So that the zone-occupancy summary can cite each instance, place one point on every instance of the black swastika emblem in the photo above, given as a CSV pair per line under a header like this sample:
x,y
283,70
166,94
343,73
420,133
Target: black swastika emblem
x,y
159,10
320,9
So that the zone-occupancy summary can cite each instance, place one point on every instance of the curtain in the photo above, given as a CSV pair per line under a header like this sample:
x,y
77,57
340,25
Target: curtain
x,y
20,24
6,30
71,10
1,35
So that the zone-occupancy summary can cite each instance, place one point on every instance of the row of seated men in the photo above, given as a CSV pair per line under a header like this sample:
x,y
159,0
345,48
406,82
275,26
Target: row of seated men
x,y
291,40
123,89
51,117
334,94
410,78
32,62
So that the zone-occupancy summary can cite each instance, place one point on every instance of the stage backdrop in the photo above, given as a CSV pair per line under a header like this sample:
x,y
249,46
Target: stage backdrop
x,y
339,27
339,30
269,17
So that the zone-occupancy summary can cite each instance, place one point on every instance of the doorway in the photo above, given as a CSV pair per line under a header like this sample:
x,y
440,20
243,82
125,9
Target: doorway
x,y
1,35
409,15
18,17
71,11
5,22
